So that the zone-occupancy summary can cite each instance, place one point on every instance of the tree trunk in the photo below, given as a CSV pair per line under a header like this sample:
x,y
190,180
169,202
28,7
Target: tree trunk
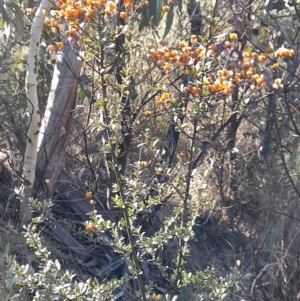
x,y
33,109
57,121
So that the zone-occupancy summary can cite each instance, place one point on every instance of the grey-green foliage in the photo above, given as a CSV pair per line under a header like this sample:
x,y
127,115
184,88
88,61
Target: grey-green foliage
x,y
51,281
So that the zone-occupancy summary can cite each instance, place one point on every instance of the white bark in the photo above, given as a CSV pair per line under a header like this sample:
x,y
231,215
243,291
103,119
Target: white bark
x,y
33,109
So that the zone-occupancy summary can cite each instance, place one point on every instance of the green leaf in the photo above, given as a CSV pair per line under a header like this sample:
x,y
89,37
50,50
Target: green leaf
x,y
169,22
153,12
145,18
19,19
155,9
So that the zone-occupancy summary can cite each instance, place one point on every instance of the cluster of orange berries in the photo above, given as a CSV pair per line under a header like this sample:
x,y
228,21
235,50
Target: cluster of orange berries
x,y
163,99
224,80
72,11
185,54
284,52
89,195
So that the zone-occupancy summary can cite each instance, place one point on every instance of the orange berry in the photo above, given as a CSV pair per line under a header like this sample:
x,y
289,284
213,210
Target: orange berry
x,y
60,45
137,109
88,194
44,12
227,90
166,9
277,81
262,57
233,36
144,164
47,181
194,90
90,227
135,7
249,73
194,39
165,96
274,67
182,44
167,67
123,15
181,155
212,89
147,114
283,52
147,3
92,202
227,44
160,63
260,81
107,11
206,81
111,5
51,48
212,47
47,22
255,77
246,54
254,55
246,65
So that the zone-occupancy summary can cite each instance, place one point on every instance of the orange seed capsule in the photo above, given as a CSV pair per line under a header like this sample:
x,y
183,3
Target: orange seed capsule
x,y
262,58
51,48
147,114
123,15
227,44
274,67
111,5
88,194
144,164
254,55
233,36
60,45
166,9
90,227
